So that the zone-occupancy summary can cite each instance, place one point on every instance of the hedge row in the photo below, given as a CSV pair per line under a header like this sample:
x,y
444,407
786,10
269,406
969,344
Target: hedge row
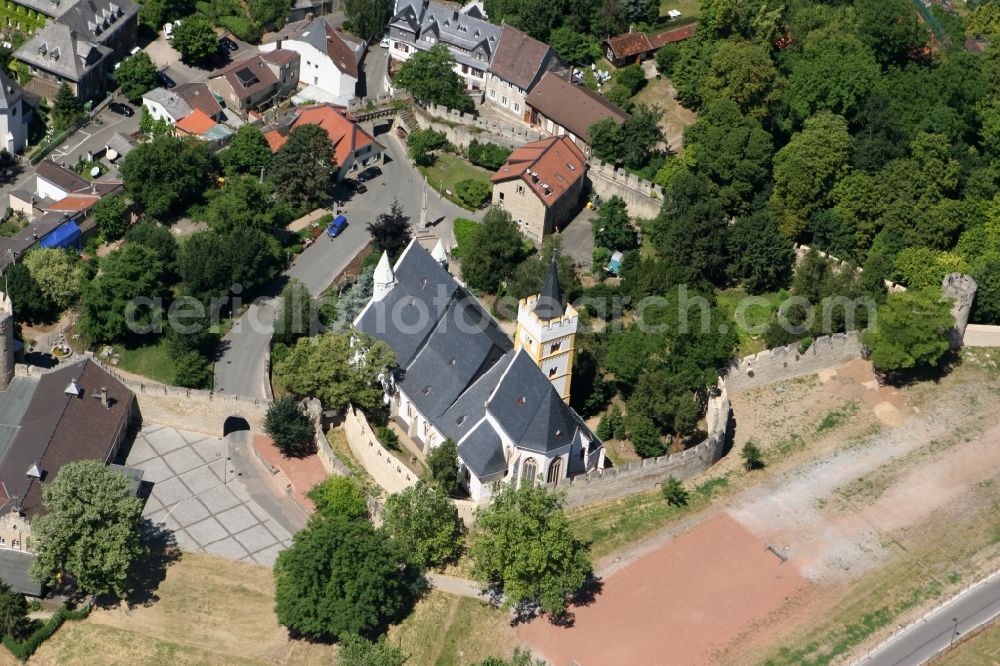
x,y
24,649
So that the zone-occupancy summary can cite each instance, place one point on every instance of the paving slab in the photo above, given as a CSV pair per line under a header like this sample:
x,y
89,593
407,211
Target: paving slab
x,y
256,538
207,531
183,460
237,519
202,479
219,499
228,548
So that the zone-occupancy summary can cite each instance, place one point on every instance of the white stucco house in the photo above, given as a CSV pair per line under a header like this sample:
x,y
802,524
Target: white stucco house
x,y
329,60
15,115
504,403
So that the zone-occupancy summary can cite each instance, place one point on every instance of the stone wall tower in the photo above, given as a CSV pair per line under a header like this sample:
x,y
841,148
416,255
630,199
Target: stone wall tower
x,y
6,341
546,329
961,288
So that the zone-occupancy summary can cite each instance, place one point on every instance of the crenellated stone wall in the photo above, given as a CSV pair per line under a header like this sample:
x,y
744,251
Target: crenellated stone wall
x,y
609,484
782,363
461,128
642,198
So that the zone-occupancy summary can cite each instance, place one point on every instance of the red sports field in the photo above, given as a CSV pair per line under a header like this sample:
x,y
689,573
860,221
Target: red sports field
x,y
675,605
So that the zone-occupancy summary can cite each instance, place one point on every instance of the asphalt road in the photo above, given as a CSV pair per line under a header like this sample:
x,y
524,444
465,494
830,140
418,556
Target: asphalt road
x,y
927,638
94,135
240,369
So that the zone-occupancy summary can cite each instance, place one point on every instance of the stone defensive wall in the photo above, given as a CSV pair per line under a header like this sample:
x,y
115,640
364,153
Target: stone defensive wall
x,y
181,408
461,128
642,198
783,363
613,483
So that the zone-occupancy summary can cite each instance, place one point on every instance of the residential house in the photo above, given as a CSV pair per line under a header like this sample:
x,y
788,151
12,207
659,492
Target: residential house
x,y
64,198
504,403
163,104
80,48
328,59
635,46
200,98
540,185
418,25
257,82
560,107
191,108
15,115
50,8
519,61
77,412
353,147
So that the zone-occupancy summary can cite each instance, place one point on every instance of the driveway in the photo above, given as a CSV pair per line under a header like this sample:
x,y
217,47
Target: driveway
x,y
578,237
374,69
240,369
93,136
215,500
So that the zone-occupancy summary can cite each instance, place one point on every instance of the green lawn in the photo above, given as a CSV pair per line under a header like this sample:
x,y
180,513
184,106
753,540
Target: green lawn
x,y
463,230
755,314
449,170
151,360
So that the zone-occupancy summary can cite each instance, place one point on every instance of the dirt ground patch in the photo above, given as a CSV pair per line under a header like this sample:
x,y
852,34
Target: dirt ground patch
x,y
209,610
710,582
674,117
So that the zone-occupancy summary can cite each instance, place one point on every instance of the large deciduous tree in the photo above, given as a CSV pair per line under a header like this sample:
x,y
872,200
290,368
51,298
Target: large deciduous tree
x,y
245,203
290,428
168,174
834,73
612,228
136,75
760,256
91,528
340,496
744,73
67,109
430,77
331,368
493,251
368,17
195,39
523,547
910,331
341,577
807,168
391,231
304,171
59,275
443,463
425,522
108,311
210,263
112,217
247,153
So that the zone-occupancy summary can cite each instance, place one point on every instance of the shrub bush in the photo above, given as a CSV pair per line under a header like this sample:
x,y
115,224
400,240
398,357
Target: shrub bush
x,y
473,193
463,229
488,155
24,649
388,438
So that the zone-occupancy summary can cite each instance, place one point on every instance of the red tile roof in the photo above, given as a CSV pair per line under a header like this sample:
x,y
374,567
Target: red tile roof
x,y
345,135
75,203
629,44
196,123
518,58
574,107
675,35
549,167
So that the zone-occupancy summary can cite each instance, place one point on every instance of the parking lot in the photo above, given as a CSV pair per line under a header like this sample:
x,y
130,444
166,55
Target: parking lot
x,y
199,494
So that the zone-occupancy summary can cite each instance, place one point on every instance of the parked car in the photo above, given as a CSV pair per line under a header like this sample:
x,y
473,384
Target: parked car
x,y
228,45
337,226
168,31
369,174
165,80
354,186
385,41
121,109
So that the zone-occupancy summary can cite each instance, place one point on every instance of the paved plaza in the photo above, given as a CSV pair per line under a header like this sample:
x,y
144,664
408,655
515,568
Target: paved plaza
x,y
192,497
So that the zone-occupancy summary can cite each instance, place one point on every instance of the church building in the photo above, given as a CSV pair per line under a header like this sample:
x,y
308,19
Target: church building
x,y
505,404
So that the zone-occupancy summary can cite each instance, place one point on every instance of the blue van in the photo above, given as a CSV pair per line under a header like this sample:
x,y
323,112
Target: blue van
x,y
337,226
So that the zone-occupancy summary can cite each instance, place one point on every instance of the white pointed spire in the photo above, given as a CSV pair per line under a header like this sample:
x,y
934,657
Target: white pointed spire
x,y
384,278
439,254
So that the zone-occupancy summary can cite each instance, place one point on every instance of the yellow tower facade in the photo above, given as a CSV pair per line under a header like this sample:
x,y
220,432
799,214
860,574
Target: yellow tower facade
x,y
546,330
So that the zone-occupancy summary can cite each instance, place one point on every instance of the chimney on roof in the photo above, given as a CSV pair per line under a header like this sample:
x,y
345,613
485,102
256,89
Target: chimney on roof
x,y
278,45
104,397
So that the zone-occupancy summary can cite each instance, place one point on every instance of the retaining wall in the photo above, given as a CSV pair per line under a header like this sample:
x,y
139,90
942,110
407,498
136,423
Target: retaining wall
x,y
981,335
332,464
782,363
462,128
642,198
387,470
609,484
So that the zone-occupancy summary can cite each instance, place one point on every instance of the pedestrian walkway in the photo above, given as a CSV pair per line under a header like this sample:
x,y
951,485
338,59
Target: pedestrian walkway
x,y
302,473
462,587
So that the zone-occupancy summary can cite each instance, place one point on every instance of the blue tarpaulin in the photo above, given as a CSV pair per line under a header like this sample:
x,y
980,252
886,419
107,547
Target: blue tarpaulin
x,y
65,235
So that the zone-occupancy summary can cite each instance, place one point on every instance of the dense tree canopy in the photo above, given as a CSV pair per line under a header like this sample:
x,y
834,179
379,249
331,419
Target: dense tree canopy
x,y
168,174
337,368
911,331
136,75
195,39
431,78
109,309
493,251
341,577
303,171
522,546
247,153
91,528
368,17
425,522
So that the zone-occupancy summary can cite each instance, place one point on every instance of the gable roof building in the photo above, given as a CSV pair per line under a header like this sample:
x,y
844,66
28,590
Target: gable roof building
x,y
80,47
540,184
330,60
353,147
461,377
15,115
418,25
560,107
635,46
258,81
519,61
76,412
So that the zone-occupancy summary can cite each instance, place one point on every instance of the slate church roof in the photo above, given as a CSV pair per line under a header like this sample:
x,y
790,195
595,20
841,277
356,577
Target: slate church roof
x,y
459,369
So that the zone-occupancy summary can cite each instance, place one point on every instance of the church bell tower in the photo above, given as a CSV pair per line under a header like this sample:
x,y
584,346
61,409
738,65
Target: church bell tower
x,y
546,330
